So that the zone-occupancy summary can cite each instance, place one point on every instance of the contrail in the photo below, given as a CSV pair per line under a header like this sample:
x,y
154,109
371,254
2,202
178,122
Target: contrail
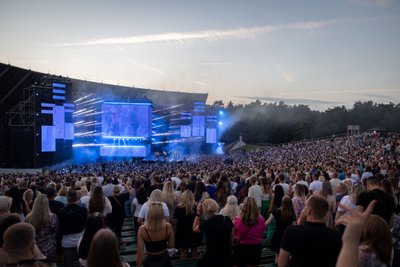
x,y
208,35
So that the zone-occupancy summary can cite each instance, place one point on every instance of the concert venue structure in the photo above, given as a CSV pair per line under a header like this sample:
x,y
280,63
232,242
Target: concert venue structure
x,y
49,119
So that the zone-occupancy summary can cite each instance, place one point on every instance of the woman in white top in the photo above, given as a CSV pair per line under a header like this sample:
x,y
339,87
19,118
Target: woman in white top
x,y
155,196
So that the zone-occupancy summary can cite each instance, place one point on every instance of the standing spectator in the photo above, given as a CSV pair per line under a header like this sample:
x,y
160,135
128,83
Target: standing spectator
x,y
54,205
117,216
19,245
62,195
316,184
169,197
285,186
17,202
155,196
137,203
348,201
27,201
284,217
46,226
98,204
219,234
157,236
72,220
334,182
311,244
200,192
211,188
108,187
265,196
376,246
184,217
104,251
255,191
231,208
299,199
384,207
326,192
249,229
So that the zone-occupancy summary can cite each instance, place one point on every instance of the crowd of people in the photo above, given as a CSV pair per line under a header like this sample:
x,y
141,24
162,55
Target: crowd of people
x,y
305,196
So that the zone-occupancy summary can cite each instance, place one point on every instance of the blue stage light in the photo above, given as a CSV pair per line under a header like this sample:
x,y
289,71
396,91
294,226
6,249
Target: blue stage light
x,y
220,123
221,113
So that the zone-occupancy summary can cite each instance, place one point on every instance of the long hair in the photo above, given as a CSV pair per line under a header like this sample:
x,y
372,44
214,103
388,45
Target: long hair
x,y
378,238
103,250
278,196
198,191
96,201
249,214
287,210
168,196
16,204
326,189
300,191
187,201
156,195
155,217
141,195
40,215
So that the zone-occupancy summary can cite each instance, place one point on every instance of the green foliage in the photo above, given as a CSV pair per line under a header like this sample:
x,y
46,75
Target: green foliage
x,y
277,122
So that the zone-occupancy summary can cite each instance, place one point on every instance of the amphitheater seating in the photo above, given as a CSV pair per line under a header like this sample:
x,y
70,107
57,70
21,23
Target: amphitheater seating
x,y
128,253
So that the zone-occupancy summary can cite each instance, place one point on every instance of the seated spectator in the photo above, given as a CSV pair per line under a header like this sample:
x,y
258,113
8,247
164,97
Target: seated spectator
x,y
104,251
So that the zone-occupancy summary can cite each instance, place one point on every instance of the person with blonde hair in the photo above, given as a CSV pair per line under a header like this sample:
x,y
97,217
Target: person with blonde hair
x,y
5,205
27,201
155,196
219,234
103,251
231,208
157,236
46,226
348,201
327,193
62,195
184,216
249,229
169,197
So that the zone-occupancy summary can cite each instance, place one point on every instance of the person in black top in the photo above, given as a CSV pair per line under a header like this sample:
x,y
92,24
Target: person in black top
x,y
72,220
54,205
311,244
117,216
219,234
385,204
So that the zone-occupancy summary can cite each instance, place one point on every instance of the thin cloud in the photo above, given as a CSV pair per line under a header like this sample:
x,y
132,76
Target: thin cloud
x,y
370,3
208,35
291,101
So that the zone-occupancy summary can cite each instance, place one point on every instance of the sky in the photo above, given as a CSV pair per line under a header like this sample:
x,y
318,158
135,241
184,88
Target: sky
x,y
321,53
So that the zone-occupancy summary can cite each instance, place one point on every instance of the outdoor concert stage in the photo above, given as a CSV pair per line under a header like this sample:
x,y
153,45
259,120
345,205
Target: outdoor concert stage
x,y
57,120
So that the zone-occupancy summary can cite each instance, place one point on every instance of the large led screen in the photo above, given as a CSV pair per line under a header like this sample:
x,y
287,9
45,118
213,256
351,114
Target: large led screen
x,y
126,120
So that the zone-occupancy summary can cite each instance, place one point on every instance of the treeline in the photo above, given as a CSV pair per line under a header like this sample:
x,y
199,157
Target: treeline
x,y
278,123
